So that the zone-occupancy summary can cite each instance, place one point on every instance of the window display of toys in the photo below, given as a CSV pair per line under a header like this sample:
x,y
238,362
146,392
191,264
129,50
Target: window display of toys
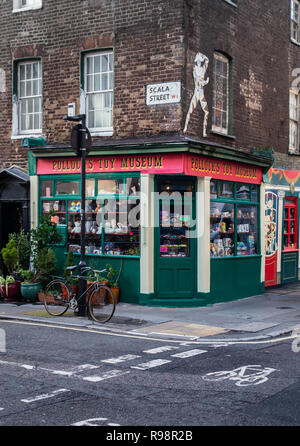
x,y
75,206
242,249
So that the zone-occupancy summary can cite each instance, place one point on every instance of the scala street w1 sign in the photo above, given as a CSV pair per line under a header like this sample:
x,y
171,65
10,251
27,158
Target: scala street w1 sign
x,y
164,93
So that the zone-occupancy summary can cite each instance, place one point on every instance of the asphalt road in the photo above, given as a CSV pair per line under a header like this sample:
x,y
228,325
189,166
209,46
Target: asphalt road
x,y
57,377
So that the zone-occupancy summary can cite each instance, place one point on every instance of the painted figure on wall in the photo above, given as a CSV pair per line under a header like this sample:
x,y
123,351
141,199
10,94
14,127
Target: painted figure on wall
x,y
270,223
200,67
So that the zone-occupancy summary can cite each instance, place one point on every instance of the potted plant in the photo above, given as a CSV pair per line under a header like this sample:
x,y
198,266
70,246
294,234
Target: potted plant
x,y
113,281
9,287
10,257
35,279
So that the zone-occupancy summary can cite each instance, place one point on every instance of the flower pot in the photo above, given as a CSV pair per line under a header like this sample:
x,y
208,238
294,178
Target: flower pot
x,y
13,290
102,292
30,290
116,291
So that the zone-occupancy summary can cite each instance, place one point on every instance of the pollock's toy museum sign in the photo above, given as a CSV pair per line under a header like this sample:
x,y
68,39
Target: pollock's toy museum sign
x,y
156,164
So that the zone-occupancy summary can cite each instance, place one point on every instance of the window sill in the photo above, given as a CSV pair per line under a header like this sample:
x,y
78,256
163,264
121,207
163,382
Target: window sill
x,y
101,133
28,135
226,135
28,8
230,3
293,152
295,42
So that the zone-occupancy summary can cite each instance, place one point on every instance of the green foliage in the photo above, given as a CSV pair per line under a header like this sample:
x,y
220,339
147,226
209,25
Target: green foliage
x,y
23,246
112,276
69,262
45,235
44,264
26,274
10,256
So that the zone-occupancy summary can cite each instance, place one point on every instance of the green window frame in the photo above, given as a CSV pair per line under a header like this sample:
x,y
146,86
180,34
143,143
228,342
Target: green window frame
x,y
67,206
234,220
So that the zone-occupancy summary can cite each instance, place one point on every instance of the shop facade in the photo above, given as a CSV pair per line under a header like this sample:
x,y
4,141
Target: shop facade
x,y
182,226
282,191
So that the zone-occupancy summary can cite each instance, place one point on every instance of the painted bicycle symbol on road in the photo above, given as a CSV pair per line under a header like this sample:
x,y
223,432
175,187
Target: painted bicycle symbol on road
x,y
247,375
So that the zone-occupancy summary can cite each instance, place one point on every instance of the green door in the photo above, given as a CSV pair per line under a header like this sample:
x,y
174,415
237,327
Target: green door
x,y
175,242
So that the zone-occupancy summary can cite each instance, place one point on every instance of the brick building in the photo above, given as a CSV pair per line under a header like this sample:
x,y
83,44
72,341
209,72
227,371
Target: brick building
x,y
131,67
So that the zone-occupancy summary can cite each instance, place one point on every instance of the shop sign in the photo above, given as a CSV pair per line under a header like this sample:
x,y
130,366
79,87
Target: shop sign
x,y
164,93
156,164
223,169
173,163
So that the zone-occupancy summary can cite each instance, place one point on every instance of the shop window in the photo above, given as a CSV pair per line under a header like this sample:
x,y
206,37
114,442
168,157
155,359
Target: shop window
x,y
112,215
47,188
58,207
221,229
90,188
233,222
290,239
99,91
246,230
27,110
67,187
110,187
225,189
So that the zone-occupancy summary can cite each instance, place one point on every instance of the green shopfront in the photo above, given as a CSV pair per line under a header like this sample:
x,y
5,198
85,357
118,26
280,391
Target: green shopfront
x,y
182,225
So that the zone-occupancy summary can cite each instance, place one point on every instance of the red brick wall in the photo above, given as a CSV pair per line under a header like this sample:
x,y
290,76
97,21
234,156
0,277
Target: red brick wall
x,y
156,41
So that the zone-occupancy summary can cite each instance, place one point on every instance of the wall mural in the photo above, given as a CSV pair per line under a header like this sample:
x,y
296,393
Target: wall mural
x,y
271,200
199,71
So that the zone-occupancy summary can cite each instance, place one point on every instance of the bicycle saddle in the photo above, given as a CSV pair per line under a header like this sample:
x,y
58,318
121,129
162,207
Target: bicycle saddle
x,y
71,268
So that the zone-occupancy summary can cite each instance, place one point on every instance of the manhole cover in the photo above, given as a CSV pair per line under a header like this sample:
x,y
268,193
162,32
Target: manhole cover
x,y
285,308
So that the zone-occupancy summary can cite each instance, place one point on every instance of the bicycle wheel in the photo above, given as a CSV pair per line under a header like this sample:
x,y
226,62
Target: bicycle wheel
x,y
57,297
102,304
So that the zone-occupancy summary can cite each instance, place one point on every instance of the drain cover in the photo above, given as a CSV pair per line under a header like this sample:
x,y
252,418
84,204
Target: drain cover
x,y
285,308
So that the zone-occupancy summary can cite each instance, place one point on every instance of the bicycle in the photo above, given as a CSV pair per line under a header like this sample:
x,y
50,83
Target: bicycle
x,y
60,296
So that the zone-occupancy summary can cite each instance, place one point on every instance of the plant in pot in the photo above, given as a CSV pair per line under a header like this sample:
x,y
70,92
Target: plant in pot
x,y
113,281
10,287
35,279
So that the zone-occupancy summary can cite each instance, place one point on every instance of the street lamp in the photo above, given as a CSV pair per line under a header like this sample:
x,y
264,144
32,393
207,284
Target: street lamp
x,y
79,144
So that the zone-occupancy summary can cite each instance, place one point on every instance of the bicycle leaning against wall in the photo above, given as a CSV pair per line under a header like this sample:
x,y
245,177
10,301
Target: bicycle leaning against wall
x,y
60,296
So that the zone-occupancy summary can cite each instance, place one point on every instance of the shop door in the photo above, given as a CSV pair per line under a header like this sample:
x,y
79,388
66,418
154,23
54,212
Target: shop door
x,y
175,272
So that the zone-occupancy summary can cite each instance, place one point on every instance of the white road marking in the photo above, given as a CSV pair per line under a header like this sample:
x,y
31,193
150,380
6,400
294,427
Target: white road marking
x,y
73,371
45,396
150,364
162,349
120,359
107,375
24,366
189,353
94,422
1,408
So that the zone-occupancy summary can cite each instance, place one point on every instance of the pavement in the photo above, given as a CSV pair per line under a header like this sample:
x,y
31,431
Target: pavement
x,y
273,314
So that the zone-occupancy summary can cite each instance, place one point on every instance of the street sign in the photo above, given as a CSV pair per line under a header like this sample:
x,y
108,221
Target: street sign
x,y
76,140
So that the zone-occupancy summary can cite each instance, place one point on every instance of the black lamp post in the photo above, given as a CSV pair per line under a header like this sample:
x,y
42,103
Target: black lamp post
x,y
79,145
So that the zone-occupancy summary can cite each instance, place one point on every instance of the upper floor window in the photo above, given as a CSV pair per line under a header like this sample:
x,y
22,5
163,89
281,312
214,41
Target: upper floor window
x,y
29,97
294,121
99,91
295,20
220,93
26,4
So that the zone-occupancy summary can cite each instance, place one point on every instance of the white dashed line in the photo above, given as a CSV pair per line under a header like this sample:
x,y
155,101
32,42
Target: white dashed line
x,y
189,353
162,349
45,396
120,359
150,364
108,375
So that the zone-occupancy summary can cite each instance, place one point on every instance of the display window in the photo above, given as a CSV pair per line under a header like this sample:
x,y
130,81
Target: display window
x,y
290,239
233,222
112,218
